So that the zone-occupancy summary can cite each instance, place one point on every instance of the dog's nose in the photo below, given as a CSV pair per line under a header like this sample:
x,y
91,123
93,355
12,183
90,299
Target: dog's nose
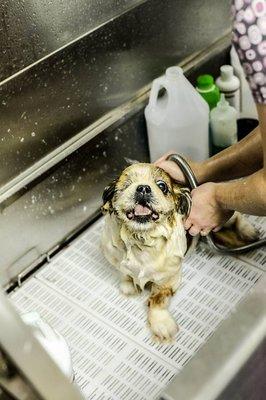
x,y
143,189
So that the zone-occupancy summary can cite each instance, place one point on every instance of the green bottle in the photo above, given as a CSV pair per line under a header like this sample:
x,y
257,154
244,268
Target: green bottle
x,y
208,90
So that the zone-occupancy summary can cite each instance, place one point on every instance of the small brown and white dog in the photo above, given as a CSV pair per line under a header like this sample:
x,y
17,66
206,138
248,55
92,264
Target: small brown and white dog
x,y
145,240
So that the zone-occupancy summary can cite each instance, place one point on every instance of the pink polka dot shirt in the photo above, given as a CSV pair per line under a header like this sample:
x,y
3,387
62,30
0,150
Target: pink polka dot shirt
x,y
249,39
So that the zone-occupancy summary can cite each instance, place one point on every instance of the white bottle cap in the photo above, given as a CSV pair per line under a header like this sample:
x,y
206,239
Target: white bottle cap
x,y
226,72
173,72
222,102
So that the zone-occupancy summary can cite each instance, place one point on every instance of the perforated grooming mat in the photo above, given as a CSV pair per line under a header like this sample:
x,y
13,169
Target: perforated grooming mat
x,y
113,354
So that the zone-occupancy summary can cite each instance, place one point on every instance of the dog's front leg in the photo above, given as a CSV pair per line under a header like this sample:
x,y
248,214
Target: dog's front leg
x,y
162,324
127,286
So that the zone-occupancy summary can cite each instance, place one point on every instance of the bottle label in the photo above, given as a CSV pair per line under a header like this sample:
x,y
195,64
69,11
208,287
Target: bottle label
x,y
229,93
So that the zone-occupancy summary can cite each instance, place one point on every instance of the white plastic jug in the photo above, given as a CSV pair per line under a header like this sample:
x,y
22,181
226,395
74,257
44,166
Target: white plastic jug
x,y
179,119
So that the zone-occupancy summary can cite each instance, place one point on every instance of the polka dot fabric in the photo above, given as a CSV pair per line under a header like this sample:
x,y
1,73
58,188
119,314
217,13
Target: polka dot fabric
x,y
249,39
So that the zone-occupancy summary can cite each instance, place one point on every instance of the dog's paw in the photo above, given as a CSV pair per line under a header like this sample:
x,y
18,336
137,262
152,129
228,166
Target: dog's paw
x,y
162,324
128,288
246,230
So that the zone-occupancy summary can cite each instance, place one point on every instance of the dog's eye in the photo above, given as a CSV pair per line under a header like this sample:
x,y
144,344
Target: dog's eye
x,y
162,185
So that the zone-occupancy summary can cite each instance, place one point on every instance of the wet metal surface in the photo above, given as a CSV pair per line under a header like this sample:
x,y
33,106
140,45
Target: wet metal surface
x,y
54,100
31,30
46,214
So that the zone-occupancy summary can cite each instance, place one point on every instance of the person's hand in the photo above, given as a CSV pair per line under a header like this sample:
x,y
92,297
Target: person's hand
x,y
173,169
206,214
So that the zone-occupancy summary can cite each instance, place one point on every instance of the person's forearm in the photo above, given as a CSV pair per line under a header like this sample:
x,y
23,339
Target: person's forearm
x,y
241,159
214,203
246,195
262,120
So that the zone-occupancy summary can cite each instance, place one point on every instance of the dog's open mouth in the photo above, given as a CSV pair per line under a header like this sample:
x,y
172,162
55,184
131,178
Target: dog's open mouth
x,y
142,213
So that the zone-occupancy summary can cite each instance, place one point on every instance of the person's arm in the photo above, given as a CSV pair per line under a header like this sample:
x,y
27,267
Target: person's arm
x,y
213,203
238,160
247,195
241,159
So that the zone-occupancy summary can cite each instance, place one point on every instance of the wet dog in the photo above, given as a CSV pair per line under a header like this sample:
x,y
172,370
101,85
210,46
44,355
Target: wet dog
x,y
144,237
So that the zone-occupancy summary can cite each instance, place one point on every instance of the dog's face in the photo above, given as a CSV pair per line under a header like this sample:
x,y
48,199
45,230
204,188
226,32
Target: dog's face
x,y
143,196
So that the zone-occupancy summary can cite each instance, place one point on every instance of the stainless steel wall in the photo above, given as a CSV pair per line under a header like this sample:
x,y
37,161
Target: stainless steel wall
x,y
31,30
128,43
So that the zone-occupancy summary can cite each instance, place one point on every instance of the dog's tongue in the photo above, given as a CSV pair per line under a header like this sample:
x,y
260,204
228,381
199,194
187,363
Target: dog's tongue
x,y
142,210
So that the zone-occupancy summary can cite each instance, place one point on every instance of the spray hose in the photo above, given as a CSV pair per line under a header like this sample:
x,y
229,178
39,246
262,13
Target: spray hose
x,y
189,174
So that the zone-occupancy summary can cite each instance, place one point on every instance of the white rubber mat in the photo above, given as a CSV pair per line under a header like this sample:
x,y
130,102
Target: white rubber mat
x,y
113,354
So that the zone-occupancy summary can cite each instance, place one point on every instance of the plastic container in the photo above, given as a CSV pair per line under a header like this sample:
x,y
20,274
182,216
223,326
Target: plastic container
x,y
229,84
179,119
208,90
223,124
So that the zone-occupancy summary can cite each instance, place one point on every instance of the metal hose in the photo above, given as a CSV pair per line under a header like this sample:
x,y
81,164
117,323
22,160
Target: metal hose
x,y
189,174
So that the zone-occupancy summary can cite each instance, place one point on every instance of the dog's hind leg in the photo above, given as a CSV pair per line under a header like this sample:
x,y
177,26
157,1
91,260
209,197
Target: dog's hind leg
x,y
243,227
127,286
161,322
238,231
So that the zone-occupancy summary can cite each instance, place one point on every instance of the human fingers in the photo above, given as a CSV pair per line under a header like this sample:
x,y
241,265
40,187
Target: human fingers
x,y
187,224
217,229
173,170
205,232
194,230
165,156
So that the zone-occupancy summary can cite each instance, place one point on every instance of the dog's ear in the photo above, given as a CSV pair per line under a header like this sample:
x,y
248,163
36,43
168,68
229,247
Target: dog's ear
x,y
130,161
107,196
183,199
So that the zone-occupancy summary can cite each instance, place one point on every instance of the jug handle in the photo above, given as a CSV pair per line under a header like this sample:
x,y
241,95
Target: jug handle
x,y
156,86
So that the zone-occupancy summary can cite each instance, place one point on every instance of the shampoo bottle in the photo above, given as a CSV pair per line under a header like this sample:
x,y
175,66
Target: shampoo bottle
x,y
208,90
223,124
229,84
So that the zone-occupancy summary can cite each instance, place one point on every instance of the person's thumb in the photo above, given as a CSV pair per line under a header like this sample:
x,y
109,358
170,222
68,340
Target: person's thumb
x,y
165,156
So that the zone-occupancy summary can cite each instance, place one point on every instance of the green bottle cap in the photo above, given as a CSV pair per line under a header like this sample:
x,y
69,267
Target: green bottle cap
x,y
205,81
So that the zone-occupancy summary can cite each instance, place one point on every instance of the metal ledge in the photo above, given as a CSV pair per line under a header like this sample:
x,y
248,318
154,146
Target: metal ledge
x,y
109,119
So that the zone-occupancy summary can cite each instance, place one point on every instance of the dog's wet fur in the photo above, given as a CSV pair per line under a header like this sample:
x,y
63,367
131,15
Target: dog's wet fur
x,y
145,240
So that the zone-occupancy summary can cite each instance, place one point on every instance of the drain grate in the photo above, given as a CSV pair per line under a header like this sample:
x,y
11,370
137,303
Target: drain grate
x,y
113,354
